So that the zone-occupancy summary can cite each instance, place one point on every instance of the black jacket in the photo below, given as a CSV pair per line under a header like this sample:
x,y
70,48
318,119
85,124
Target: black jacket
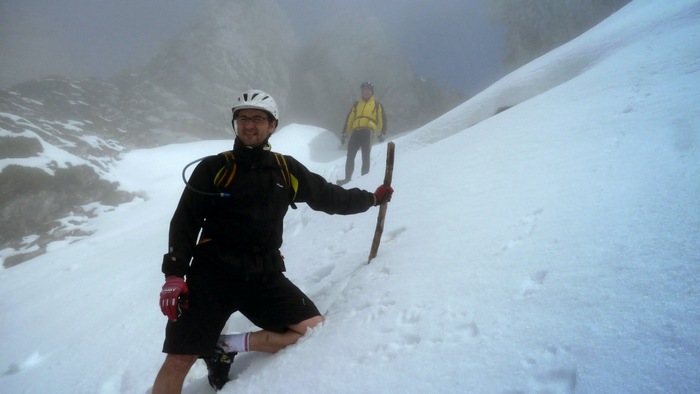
x,y
243,233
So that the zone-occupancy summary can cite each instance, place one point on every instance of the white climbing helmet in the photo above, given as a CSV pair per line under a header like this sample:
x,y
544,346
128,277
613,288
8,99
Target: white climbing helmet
x,y
256,99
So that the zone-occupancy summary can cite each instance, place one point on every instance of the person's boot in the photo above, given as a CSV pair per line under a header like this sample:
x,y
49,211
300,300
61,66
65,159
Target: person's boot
x,y
218,367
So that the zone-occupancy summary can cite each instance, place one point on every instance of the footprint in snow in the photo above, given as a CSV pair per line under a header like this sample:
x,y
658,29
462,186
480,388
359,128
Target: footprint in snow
x,y
348,227
465,328
322,273
31,362
391,236
553,370
525,227
534,283
332,252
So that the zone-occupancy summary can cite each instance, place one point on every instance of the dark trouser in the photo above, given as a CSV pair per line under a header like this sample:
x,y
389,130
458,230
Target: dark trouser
x,y
359,139
271,302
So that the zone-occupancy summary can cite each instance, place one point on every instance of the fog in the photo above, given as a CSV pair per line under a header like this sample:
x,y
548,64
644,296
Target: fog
x,y
83,38
452,42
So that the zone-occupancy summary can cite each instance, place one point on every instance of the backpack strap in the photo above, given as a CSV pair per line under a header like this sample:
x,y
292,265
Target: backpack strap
x,y
225,175
289,179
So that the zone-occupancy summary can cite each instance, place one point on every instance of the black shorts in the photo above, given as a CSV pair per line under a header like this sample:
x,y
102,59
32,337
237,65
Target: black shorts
x,y
271,302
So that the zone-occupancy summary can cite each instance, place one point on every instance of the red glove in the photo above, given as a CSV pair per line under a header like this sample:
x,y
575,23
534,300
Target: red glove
x,y
174,288
383,194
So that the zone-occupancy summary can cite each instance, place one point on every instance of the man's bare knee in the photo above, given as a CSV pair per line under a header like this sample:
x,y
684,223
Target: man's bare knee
x,y
305,325
179,362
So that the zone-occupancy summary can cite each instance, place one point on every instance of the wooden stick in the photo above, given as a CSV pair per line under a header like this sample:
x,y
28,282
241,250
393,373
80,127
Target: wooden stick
x,y
382,208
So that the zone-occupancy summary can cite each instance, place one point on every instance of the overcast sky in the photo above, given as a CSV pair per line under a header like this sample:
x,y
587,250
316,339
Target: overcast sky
x,y
450,41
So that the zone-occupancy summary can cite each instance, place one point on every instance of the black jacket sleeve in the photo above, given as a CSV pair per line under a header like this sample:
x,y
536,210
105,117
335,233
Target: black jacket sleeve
x,y
324,196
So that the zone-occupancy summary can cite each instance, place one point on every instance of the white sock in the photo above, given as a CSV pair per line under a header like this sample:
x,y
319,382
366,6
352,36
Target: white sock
x,y
235,342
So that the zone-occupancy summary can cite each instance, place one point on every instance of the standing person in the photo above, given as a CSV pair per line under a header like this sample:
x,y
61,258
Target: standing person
x,y
365,120
238,200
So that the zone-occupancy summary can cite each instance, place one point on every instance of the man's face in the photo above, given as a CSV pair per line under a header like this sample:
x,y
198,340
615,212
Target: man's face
x,y
366,93
254,126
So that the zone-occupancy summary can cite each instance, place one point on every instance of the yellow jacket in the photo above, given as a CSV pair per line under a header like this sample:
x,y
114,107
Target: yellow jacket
x,y
366,113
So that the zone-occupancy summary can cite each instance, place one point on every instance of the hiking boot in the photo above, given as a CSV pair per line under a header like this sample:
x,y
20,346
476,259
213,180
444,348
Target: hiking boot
x,y
218,366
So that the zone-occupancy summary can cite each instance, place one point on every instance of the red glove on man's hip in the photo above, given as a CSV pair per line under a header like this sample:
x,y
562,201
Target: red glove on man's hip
x,y
173,290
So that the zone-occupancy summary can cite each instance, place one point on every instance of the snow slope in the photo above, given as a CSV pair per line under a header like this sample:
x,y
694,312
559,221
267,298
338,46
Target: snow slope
x,y
551,248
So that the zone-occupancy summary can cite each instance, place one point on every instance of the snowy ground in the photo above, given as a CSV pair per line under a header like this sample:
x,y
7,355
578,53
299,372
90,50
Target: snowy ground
x,y
554,247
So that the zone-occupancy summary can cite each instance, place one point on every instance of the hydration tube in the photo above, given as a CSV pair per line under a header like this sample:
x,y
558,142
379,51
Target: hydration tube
x,y
187,184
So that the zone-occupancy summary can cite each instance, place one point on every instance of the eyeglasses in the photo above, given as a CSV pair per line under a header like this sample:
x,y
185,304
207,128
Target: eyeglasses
x,y
256,120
